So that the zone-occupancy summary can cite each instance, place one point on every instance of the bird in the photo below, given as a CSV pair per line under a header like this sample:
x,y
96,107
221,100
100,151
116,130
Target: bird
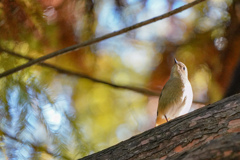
x,y
176,96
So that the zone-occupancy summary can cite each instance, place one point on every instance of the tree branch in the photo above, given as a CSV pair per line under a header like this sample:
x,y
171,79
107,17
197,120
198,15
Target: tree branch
x,y
80,75
93,41
206,133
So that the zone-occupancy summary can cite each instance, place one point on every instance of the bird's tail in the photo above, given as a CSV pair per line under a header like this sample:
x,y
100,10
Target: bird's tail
x,y
160,120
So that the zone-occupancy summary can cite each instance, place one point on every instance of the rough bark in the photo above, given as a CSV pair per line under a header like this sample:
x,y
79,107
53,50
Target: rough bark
x,y
211,132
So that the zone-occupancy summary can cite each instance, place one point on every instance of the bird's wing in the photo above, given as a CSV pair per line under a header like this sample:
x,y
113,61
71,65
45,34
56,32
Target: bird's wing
x,y
161,96
171,93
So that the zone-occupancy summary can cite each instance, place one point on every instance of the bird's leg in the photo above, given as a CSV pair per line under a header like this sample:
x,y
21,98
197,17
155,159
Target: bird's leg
x,y
166,117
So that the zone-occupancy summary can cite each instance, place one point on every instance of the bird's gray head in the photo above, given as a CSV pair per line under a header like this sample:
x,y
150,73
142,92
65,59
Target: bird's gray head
x,y
179,70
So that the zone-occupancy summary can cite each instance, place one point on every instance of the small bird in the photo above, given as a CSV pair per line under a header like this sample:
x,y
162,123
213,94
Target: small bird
x,y
176,96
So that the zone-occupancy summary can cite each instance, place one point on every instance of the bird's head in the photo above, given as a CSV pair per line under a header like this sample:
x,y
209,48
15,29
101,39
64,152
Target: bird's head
x,y
179,70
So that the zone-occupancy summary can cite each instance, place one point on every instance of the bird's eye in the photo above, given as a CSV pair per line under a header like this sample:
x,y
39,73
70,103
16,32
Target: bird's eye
x,y
184,68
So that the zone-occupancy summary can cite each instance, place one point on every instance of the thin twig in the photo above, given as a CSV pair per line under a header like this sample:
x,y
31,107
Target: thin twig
x,y
80,75
93,41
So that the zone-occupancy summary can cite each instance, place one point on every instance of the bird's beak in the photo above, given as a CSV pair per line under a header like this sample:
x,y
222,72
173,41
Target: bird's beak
x,y
175,61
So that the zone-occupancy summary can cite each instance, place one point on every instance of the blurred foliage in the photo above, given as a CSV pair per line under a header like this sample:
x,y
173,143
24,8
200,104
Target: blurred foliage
x,y
45,114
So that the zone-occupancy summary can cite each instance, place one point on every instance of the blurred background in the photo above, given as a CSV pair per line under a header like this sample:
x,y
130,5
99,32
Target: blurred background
x,y
46,114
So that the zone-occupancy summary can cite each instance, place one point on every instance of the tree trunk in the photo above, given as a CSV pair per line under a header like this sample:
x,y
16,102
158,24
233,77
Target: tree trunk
x,y
211,132
234,86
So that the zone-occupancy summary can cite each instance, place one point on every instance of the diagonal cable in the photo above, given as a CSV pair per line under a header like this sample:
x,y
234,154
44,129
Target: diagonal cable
x,y
93,41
